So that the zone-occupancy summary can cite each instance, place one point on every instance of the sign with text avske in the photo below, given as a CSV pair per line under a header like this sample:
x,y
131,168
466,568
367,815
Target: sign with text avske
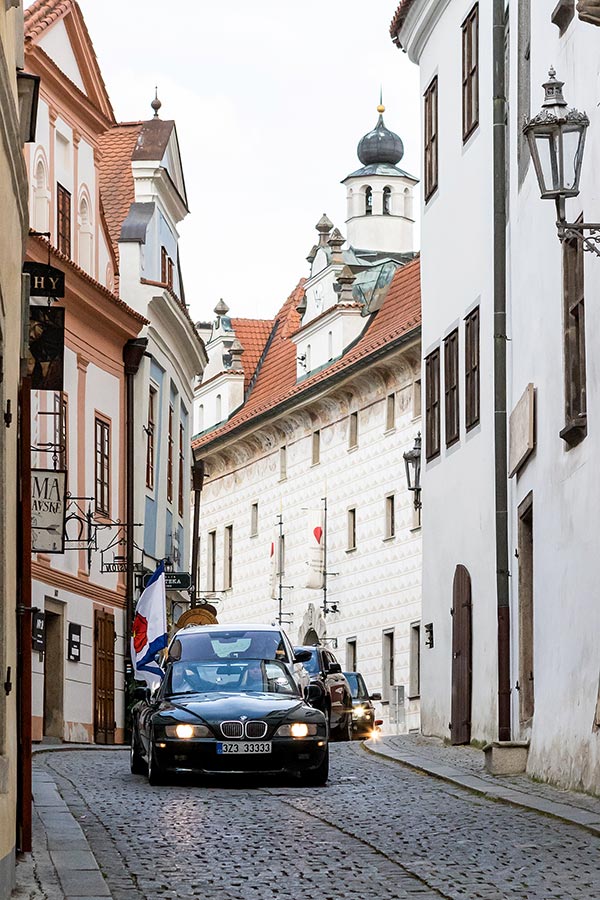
x,y
48,510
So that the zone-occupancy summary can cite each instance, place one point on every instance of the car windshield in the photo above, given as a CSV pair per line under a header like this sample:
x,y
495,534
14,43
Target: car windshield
x,y
235,644
358,687
232,677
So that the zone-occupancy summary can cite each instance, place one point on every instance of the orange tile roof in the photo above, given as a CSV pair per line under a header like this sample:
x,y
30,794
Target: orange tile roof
x,y
116,178
252,335
43,13
276,383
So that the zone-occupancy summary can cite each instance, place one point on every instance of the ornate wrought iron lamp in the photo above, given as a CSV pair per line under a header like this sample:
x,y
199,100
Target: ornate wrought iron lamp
x,y
556,137
412,462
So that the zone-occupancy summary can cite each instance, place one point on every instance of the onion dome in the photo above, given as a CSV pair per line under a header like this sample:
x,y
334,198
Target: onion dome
x,y
380,145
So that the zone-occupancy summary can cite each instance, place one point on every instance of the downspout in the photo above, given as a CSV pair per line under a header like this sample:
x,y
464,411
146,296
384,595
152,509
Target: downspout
x,y
500,340
198,482
133,352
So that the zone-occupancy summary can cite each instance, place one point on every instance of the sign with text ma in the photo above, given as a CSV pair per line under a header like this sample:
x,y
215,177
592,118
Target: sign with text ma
x,y
48,510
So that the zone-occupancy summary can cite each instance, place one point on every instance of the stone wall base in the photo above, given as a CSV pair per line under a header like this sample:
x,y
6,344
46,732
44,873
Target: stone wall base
x,y
506,757
7,875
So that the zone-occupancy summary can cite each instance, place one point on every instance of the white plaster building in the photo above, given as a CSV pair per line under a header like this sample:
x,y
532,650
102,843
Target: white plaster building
x,y
311,411
552,384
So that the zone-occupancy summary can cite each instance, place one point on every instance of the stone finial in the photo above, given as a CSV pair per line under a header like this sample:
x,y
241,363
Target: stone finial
x,y
236,350
323,226
301,308
336,242
221,309
346,279
156,104
313,253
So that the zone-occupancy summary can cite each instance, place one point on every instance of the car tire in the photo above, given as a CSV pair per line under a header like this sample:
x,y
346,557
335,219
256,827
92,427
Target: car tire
x,y
343,731
137,764
156,774
317,777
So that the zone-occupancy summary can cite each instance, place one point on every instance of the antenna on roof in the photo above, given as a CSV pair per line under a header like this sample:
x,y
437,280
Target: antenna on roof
x,y
156,104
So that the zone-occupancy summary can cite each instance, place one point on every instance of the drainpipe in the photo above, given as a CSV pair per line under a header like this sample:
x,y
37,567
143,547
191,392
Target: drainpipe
x,y
198,482
133,352
24,614
500,339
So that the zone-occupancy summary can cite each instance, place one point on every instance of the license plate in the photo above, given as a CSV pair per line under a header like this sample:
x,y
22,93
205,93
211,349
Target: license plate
x,y
244,747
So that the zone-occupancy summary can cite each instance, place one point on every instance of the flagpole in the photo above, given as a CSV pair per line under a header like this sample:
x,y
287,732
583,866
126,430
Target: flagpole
x,y
325,610
280,567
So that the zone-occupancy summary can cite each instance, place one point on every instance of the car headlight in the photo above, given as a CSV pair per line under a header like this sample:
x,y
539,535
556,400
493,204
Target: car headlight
x,y
184,732
296,730
359,712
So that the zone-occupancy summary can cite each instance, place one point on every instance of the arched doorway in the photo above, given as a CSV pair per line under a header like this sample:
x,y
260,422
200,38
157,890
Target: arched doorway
x,y
462,652
311,638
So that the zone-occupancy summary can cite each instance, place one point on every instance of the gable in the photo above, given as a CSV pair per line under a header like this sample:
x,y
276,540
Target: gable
x,y
172,163
58,29
56,43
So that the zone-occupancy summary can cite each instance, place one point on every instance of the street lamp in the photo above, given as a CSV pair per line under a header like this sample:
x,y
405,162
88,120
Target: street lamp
x,y
412,462
556,137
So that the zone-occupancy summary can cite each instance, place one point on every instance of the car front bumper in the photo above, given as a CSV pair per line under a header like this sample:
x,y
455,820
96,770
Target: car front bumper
x,y
200,755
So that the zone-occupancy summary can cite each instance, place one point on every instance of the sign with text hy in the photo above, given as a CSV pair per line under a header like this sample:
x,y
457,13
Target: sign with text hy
x,y
45,281
46,347
48,510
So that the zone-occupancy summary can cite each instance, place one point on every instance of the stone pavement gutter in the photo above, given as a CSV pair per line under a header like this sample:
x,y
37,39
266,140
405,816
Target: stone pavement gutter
x,y
62,865
464,767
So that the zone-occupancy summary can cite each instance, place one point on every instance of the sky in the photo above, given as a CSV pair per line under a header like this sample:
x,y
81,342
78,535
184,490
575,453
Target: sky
x,y
270,100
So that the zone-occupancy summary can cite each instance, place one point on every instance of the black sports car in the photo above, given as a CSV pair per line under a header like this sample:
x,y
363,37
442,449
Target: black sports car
x,y
229,716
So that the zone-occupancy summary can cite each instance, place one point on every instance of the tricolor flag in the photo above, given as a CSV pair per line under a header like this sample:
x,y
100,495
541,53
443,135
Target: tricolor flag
x,y
149,629
316,549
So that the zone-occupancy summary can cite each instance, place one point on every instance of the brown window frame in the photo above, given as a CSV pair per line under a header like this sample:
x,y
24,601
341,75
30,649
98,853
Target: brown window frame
x,y
470,73
102,473
228,557
180,485
150,454
431,153
575,375
432,405
451,389
472,369
63,219
170,443
164,256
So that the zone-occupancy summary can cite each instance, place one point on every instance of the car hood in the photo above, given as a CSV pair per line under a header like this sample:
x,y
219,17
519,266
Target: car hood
x,y
216,707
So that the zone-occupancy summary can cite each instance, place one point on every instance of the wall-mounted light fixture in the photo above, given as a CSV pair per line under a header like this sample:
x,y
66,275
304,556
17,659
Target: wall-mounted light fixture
x,y
412,462
556,137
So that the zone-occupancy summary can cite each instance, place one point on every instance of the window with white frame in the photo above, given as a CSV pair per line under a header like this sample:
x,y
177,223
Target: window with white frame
x,y
211,561
351,529
351,655
316,447
282,463
390,516
390,412
414,674
228,557
353,431
388,673
254,519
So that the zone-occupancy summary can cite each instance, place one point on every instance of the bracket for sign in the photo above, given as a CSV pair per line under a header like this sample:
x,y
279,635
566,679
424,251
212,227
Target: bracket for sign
x,y
118,562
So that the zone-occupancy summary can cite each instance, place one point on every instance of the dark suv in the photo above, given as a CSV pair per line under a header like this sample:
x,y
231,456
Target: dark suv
x,y
336,698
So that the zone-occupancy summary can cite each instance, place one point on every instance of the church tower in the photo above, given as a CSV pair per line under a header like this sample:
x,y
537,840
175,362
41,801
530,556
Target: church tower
x,y
380,195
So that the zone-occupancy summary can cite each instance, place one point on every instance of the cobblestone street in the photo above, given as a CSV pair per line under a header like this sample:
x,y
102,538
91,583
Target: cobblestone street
x,y
378,830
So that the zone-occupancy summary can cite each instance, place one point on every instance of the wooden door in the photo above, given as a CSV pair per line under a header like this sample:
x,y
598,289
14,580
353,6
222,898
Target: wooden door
x,y
104,677
460,726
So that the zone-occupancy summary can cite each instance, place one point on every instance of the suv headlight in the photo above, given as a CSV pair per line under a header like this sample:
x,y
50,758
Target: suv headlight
x,y
359,712
296,730
183,731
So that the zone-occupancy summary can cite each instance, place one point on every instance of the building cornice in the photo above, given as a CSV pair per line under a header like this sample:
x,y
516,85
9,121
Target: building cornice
x,y
421,19
42,572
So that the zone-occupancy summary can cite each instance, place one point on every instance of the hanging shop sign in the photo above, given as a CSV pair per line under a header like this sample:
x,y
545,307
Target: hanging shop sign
x,y
46,347
48,510
45,281
174,581
38,631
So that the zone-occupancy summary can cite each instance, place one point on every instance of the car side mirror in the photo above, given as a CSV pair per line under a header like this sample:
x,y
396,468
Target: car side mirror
x,y
312,693
334,668
301,656
375,696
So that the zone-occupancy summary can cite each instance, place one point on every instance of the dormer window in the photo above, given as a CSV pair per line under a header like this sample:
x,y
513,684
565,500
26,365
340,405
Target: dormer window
x,y
387,201
368,202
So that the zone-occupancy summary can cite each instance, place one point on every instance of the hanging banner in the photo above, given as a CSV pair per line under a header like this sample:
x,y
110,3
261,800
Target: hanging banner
x,y
48,510
46,347
45,281
316,549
